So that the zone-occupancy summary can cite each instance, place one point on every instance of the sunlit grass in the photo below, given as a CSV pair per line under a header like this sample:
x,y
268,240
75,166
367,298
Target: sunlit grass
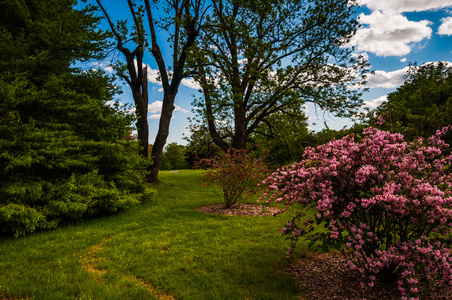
x,y
163,249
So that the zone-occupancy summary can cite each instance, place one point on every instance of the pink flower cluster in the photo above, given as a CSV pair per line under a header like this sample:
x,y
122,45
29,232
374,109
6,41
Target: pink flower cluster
x,y
386,203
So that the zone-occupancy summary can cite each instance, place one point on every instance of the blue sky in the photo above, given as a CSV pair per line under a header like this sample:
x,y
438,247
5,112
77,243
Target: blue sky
x,y
393,34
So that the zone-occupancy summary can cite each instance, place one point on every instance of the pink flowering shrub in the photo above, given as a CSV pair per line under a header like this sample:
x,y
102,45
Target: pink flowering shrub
x,y
236,173
386,205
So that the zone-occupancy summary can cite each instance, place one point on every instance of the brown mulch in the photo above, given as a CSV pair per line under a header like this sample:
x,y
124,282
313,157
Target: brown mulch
x,y
239,210
322,276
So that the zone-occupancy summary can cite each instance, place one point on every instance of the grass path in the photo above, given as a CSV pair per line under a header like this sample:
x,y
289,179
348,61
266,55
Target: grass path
x,y
163,249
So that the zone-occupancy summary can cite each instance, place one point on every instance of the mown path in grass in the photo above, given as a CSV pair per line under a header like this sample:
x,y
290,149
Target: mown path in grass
x,y
163,249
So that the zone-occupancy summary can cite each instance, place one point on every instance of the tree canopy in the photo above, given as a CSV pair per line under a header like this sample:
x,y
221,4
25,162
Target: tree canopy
x,y
62,149
423,104
174,157
260,58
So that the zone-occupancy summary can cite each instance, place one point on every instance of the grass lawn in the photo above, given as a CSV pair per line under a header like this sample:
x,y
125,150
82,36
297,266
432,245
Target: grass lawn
x,y
163,249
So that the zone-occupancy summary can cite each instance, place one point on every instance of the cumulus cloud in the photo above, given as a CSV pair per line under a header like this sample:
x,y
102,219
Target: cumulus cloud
x,y
109,69
103,66
156,106
154,116
446,26
383,79
393,79
112,103
154,76
376,102
389,34
399,6
191,83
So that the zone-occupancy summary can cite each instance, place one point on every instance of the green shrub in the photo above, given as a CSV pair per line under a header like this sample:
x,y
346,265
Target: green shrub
x,y
62,153
236,173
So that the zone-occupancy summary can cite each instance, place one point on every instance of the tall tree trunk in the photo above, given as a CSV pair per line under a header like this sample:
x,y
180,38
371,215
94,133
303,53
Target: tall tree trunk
x,y
217,139
240,137
162,134
142,113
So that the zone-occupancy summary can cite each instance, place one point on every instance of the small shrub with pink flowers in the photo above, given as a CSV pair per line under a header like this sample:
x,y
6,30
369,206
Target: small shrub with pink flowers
x,y
236,173
386,204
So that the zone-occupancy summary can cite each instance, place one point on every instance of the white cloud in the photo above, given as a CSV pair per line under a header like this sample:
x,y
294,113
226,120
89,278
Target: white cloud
x,y
102,65
154,117
446,63
111,103
375,102
157,116
191,83
153,76
178,108
383,79
446,26
389,34
399,6
109,69
156,106
403,60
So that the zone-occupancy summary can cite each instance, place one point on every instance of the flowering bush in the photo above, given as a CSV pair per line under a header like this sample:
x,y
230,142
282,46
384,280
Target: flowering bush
x,y
236,173
386,205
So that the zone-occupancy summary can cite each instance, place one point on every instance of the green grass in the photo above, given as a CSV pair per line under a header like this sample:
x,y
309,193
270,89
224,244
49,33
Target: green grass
x,y
153,251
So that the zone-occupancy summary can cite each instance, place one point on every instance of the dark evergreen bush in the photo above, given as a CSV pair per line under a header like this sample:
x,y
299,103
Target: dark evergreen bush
x,y
63,156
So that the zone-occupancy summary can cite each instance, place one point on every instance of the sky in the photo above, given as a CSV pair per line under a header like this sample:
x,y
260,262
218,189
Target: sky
x,y
393,33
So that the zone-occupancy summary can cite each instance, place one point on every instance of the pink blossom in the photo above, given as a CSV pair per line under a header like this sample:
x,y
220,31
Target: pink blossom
x,y
380,177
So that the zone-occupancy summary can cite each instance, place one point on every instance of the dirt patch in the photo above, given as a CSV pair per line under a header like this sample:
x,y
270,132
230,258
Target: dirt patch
x,y
323,276
239,210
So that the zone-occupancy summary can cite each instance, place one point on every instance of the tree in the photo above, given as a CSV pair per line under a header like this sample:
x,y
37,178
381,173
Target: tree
x,y
174,157
134,72
260,58
423,104
62,153
200,144
182,20
284,136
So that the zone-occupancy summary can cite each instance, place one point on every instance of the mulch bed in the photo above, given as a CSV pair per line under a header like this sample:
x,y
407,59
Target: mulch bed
x,y
323,276
239,210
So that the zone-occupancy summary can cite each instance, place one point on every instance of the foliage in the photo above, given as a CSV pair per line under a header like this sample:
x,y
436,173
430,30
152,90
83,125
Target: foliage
x,y
284,136
423,104
62,153
388,202
174,157
256,59
200,144
236,173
